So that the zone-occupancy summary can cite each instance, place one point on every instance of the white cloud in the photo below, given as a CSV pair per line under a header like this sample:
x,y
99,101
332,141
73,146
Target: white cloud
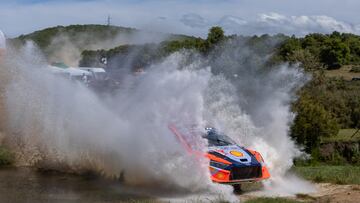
x,y
273,23
192,17
300,25
193,20
272,18
230,21
331,24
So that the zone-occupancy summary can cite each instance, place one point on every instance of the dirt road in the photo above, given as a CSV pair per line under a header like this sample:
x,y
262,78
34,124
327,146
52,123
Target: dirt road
x,y
326,192
26,185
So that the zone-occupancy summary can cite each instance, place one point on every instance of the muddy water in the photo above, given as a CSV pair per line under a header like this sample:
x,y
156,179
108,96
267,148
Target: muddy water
x,y
28,185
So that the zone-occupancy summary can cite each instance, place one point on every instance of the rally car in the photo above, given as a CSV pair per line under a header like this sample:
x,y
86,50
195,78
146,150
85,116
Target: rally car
x,y
229,162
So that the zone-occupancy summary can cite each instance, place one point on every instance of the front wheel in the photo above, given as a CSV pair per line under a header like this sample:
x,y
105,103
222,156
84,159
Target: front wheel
x,y
237,188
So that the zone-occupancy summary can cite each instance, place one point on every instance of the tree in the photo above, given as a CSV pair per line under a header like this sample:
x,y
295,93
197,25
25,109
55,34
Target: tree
x,y
311,123
307,60
335,54
288,47
215,35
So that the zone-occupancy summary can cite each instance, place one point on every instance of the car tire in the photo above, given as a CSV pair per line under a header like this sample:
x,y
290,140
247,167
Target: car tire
x,y
237,188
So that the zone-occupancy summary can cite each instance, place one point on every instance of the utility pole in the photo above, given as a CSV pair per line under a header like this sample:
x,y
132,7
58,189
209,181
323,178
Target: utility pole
x,y
108,20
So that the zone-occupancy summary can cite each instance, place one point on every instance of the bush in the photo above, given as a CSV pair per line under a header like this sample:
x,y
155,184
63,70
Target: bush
x,y
355,69
6,157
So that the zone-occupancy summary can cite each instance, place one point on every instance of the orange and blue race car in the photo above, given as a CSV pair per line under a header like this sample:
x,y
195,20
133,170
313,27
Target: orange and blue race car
x,y
229,162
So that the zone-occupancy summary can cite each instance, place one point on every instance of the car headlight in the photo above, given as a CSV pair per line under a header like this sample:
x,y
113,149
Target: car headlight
x,y
218,164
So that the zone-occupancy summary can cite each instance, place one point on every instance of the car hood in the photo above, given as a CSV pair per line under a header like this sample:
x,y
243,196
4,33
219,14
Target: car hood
x,y
233,153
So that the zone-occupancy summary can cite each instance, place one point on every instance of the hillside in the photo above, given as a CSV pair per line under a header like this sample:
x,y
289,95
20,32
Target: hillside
x,y
65,43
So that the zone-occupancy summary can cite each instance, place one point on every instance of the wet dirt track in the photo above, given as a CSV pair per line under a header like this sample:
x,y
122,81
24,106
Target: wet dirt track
x,y
26,185
18,185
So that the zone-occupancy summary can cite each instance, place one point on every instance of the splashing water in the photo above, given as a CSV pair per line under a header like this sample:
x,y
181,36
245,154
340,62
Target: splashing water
x,y
59,124
253,107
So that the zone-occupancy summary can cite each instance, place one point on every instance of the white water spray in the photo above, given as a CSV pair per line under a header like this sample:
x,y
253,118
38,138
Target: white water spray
x,y
58,124
252,105
63,125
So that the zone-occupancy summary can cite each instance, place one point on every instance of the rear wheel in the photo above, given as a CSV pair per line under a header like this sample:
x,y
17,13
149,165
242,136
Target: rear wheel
x,y
237,188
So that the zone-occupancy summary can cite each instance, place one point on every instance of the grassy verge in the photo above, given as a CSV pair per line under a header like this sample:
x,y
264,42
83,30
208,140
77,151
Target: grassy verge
x,y
344,135
331,174
347,72
6,157
271,200
355,69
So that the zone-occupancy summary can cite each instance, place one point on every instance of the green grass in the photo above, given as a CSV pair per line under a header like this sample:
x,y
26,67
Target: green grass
x,y
6,157
344,72
271,200
355,69
344,135
330,174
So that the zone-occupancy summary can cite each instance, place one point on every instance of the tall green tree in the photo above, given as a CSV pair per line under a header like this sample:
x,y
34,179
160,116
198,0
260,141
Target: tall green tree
x,y
335,54
290,46
311,123
215,35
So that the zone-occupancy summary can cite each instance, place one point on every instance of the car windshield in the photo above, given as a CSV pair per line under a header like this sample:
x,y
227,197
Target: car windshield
x,y
216,139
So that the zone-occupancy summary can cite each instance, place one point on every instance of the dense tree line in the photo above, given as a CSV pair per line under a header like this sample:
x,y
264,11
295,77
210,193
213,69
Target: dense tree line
x,y
331,50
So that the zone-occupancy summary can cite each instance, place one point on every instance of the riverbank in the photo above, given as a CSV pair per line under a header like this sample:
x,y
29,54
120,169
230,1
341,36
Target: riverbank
x,y
23,184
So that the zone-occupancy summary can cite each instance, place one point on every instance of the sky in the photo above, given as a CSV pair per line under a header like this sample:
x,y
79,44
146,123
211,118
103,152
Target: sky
x,y
191,17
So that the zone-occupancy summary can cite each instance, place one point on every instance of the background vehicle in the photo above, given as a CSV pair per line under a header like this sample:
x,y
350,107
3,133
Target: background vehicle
x,y
74,74
98,74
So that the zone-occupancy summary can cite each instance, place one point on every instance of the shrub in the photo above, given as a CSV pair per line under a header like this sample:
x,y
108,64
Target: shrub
x,y
6,157
355,69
